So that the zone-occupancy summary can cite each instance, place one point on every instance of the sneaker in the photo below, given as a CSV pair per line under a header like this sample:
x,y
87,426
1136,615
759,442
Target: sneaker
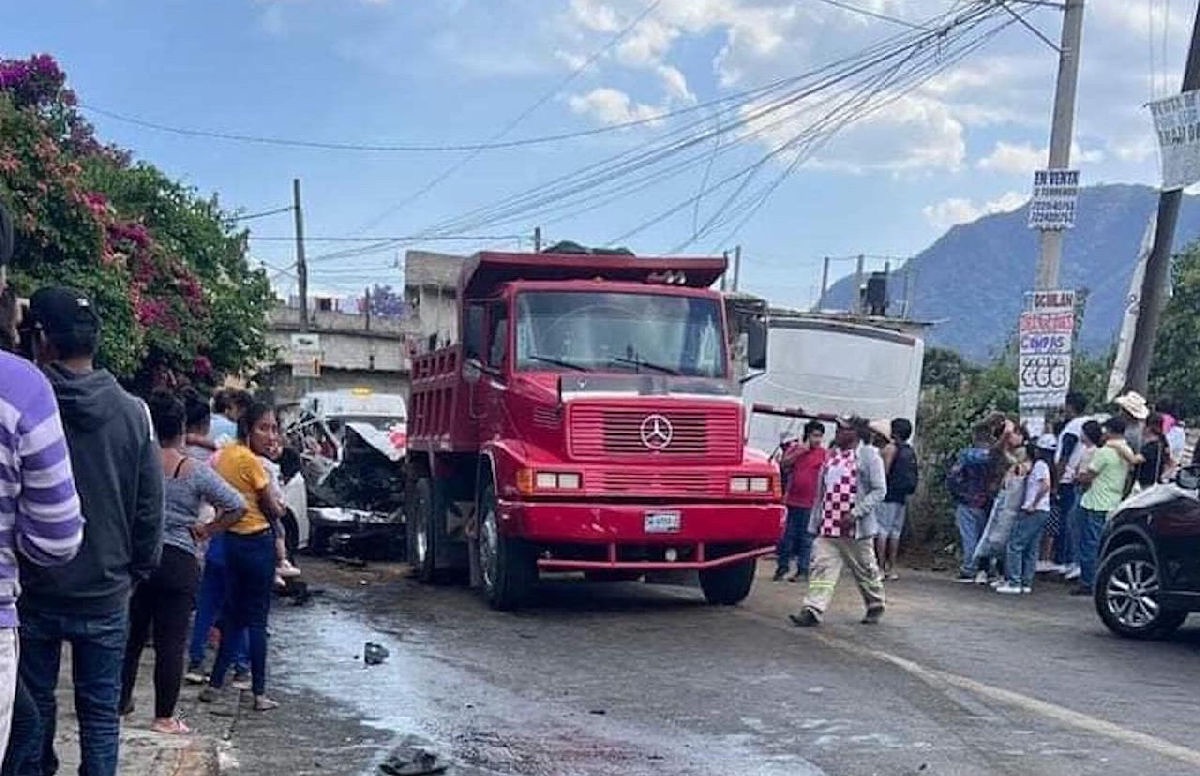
x,y
892,576
778,575
287,570
799,575
280,584
241,681
805,619
1072,573
873,616
982,578
195,674
995,583
210,694
965,579
263,703
1009,589
1047,566
1026,590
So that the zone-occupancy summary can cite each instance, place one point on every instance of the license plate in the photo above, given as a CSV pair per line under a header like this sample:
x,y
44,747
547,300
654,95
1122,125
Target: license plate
x,y
662,522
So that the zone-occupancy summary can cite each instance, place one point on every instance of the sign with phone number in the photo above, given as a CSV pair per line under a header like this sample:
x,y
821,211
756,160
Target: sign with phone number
x,y
1044,363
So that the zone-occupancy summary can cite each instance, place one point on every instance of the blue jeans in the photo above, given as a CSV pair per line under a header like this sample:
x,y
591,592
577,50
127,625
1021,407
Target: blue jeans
x,y
23,741
1091,525
97,648
1024,545
796,542
208,609
1066,551
249,578
971,522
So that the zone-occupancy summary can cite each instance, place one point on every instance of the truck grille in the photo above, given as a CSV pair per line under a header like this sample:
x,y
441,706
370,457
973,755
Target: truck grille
x,y
712,435
662,483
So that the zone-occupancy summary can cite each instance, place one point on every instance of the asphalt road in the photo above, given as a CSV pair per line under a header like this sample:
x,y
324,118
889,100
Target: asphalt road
x,y
635,679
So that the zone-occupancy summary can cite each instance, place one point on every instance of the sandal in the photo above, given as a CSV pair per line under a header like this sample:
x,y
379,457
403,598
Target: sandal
x,y
172,726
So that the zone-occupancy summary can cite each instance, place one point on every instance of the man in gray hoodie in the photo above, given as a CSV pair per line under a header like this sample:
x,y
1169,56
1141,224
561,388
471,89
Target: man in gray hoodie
x,y
852,483
118,473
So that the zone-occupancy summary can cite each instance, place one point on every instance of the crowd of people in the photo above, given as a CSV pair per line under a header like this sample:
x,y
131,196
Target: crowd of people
x,y
1026,505
116,514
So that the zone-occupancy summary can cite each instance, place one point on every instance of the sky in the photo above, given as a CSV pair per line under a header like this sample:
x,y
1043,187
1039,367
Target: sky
x,y
946,148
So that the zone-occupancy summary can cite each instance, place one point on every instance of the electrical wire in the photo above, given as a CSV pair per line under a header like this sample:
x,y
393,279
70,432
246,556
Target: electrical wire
x,y
263,214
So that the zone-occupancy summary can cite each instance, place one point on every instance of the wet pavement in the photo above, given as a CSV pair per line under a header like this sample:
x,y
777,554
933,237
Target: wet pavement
x,y
637,679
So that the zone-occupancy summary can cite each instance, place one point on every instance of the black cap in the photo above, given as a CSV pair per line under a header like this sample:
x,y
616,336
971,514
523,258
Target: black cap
x,y
59,310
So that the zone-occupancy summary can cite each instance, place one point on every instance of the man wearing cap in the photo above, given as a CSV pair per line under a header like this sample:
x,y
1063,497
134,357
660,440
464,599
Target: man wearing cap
x,y
852,484
118,473
39,509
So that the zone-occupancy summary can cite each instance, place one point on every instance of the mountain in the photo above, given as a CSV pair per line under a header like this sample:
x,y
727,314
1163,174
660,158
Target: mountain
x,y
972,279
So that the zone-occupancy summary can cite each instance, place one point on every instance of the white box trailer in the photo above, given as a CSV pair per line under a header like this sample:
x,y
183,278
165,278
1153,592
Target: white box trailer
x,y
831,365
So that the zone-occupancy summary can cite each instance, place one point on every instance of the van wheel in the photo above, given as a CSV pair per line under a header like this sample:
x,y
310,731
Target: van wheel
x,y
423,534
507,566
1127,596
728,585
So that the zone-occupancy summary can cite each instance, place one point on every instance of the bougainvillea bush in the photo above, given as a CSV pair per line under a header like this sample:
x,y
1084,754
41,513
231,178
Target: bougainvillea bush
x,y
165,267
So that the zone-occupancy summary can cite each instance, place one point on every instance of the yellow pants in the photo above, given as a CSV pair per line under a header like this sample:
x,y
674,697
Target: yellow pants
x,y
828,557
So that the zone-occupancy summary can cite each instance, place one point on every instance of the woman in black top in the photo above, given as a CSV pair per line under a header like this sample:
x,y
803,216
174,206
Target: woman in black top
x,y
1154,451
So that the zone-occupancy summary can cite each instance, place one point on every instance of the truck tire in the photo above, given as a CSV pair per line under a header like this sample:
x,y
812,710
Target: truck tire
x,y
728,585
508,566
423,532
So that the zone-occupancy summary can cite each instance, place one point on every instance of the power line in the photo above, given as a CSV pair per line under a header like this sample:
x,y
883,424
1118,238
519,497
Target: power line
x,y
249,216
406,238
874,14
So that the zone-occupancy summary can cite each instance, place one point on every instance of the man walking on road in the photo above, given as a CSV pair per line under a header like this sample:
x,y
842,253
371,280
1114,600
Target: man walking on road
x,y
852,484
118,473
39,509
804,461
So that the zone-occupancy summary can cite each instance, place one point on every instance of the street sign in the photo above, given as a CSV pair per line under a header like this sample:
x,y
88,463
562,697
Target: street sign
x,y
1177,124
1044,361
1055,194
306,355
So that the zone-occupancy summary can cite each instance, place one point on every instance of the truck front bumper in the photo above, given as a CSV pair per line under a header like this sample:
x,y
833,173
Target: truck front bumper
x,y
618,536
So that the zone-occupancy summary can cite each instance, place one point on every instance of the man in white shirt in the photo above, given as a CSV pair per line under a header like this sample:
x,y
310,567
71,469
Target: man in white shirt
x,y
1066,460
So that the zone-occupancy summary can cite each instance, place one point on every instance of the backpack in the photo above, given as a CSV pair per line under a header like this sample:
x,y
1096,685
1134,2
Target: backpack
x,y
905,474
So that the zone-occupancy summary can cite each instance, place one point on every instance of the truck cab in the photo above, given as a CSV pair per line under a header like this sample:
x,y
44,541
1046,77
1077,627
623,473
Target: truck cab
x,y
589,421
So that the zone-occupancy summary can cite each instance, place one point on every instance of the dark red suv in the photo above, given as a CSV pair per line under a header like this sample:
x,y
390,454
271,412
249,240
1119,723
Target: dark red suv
x,y
1149,575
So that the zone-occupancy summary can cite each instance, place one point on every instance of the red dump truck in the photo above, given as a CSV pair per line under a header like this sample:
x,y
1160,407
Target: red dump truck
x,y
589,420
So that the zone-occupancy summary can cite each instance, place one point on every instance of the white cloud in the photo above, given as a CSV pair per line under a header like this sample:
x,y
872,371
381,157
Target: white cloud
x,y
1022,158
958,210
612,106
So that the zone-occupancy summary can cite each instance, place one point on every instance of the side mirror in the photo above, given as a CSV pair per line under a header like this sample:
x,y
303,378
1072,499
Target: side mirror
x,y
1188,478
756,343
472,371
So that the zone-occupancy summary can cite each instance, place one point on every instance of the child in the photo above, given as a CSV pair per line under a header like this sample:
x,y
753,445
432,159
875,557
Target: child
x,y
284,569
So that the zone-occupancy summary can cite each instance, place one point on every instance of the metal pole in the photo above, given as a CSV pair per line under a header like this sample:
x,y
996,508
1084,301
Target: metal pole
x,y
1158,265
858,281
824,285
905,313
725,274
737,267
301,264
1061,132
537,239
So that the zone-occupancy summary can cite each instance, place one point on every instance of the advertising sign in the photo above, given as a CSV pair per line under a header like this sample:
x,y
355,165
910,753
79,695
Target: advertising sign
x,y
1044,362
1055,194
1177,124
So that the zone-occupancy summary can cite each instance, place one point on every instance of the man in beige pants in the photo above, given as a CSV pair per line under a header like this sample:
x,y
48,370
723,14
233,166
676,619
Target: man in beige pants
x,y
852,483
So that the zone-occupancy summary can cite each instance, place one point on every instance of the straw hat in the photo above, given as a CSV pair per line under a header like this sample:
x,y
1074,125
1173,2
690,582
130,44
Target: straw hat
x,y
881,427
1134,404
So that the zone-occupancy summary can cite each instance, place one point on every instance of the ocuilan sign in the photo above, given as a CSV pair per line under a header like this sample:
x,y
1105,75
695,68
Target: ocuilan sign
x,y
1044,362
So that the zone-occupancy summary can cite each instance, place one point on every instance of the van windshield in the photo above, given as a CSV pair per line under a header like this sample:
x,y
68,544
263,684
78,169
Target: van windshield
x,y
614,332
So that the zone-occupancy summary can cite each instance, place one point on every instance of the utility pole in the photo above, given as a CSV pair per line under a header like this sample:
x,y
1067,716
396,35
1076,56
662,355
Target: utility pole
x,y
301,264
824,285
1061,132
737,267
1158,264
725,274
857,302
537,239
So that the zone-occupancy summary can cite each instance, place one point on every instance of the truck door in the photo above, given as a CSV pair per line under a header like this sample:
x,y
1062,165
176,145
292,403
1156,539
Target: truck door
x,y
489,394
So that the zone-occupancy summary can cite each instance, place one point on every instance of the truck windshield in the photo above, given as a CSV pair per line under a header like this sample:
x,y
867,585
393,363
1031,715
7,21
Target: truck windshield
x,y
583,331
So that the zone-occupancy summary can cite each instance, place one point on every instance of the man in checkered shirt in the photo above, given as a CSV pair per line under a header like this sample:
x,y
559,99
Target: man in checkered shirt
x,y
852,482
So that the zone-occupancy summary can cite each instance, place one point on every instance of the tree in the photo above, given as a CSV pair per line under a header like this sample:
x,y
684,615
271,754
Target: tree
x,y
164,266
1173,372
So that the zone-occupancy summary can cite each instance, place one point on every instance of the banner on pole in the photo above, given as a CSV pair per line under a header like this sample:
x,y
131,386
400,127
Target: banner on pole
x,y
1177,124
1044,361
1055,194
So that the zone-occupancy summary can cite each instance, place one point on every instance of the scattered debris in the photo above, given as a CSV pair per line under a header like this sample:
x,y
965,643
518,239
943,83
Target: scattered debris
x,y
374,654
598,712
413,758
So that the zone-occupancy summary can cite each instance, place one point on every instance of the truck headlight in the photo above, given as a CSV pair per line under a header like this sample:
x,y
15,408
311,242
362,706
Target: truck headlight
x,y
557,481
750,485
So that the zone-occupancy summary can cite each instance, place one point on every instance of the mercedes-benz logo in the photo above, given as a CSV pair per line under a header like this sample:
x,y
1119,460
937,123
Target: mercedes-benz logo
x,y
657,432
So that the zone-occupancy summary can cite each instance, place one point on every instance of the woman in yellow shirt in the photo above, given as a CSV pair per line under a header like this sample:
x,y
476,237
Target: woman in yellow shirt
x,y
249,551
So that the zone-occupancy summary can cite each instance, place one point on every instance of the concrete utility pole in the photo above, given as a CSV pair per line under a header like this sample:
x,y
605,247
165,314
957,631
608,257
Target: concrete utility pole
x,y
1061,133
824,285
737,267
1158,264
856,304
537,239
301,264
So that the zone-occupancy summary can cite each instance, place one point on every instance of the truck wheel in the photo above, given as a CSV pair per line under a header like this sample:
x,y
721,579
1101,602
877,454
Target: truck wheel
x,y
423,532
727,585
1127,596
507,565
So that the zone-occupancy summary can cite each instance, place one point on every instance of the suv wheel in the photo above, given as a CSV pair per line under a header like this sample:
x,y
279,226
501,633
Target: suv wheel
x,y
1127,595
